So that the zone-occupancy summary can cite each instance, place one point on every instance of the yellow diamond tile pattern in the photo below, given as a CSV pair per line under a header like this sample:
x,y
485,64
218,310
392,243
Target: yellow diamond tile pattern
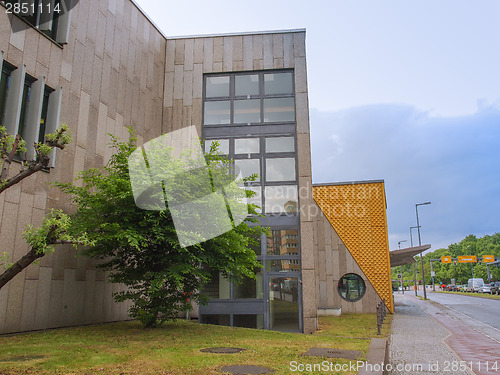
x,y
358,215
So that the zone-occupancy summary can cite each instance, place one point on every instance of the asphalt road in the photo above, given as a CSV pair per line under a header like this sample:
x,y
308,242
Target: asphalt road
x,y
482,314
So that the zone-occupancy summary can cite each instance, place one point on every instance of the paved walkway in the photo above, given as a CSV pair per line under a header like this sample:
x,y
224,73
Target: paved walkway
x,y
427,339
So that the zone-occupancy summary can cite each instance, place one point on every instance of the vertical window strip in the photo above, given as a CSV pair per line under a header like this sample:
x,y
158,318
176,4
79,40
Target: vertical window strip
x,y
63,22
14,100
34,115
53,115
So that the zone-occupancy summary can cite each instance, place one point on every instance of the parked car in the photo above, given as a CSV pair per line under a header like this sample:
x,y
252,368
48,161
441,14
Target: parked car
x,y
461,288
495,287
451,288
485,289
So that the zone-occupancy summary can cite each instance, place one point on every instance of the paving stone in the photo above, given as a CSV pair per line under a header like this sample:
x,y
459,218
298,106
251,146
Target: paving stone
x,y
333,353
222,350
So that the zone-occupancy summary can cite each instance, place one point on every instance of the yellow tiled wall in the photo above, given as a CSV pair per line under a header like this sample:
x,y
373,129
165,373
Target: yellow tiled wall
x,y
357,212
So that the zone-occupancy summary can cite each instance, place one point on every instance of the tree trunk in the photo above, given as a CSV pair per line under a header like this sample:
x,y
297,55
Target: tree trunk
x,y
20,265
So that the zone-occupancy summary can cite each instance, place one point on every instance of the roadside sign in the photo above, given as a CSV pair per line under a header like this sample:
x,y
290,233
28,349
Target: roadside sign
x,y
488,258
446,259
433,273
467,259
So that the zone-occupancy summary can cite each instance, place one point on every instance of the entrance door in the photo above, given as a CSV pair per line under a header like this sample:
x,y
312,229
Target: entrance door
x,y
283,307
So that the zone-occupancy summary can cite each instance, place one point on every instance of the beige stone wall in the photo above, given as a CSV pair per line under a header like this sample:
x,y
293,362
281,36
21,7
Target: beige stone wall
x,y
332,262
189,58
111,72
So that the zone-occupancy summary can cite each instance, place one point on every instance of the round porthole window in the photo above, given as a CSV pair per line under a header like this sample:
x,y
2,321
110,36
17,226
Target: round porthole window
x,y
351,287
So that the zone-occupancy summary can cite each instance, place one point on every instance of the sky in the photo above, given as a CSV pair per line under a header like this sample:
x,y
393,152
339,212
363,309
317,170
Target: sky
x,y
404,91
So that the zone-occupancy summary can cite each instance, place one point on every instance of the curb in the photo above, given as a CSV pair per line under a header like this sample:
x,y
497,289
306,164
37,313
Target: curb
x,y
376,358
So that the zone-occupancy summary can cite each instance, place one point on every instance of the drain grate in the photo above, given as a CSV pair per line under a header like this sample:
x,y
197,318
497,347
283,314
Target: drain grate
x,y
222,350
246,370
333,353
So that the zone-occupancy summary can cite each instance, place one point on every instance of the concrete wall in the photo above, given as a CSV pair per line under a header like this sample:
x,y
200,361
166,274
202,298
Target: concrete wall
x,y
333,261
111,72
118,70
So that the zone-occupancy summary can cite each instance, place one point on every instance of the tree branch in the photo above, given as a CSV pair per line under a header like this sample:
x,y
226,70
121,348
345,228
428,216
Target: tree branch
x,y
8,159
20,265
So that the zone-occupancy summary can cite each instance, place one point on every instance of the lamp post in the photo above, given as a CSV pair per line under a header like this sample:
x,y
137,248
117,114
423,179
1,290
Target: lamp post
x,y
402,282
420,244
414,275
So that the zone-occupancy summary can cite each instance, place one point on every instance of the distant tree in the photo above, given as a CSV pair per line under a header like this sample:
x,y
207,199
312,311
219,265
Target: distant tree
x,y
140,248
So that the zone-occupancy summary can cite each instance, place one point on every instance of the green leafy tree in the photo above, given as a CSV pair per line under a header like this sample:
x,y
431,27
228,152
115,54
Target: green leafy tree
x,y
140,248
54,229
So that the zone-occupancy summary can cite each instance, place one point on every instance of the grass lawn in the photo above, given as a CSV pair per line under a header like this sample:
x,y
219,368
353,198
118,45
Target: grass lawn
x,y
174,348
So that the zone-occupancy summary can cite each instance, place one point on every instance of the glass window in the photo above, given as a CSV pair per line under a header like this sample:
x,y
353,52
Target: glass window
x,y
351,287
283,242
283,265
43,118
283,304
223,145
280,199
249,321
24,108
247,167
217,87
247,84
217,113
279,110
246,146
280,144
256,199
217,288
249,288
246,111
216,319
4,84
280,169
278,83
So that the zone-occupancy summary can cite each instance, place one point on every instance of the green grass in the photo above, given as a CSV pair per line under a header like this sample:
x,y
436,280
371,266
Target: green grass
x,y
480,295
174,348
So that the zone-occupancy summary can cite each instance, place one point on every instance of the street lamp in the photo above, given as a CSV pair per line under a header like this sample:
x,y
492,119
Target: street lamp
x,y
401,268
414,274
420,244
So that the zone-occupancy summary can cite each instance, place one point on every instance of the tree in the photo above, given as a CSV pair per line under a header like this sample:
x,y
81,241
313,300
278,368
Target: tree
x,y
140,248
54,227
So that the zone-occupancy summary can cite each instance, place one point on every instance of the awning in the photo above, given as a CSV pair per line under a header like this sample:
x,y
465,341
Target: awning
x,y
405,256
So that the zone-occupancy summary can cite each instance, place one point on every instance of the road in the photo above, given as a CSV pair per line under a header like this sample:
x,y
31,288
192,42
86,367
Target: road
x,y
482,314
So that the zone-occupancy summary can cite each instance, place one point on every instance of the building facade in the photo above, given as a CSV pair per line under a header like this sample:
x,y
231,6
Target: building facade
x,y
103,66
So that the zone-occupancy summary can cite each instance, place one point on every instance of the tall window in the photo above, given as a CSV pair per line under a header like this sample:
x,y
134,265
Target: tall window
x,y
252,117
252,98
28,107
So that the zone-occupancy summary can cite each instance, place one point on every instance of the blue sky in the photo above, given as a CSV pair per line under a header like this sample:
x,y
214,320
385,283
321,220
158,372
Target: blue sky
x,y
405,91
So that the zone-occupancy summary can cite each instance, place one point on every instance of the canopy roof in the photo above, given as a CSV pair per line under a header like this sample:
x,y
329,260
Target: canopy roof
x,y
405,256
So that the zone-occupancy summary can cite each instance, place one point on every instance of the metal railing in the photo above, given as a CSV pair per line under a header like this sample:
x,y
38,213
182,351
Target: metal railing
x,y
381,313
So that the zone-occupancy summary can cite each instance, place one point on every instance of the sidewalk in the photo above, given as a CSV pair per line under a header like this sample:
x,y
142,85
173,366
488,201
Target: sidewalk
x,y
426,340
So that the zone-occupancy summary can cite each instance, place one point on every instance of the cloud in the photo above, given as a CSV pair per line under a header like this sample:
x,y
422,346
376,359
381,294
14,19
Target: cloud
x,y
454,162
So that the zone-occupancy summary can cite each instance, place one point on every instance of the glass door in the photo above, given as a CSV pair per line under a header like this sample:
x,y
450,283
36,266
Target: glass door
x,y
283,304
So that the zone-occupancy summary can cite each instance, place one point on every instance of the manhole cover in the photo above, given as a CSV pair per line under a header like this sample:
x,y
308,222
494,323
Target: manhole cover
x,y
222,350
246,370
22,358
333,353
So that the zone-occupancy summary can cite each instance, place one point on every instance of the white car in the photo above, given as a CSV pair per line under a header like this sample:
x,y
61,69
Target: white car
x,y
485,289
